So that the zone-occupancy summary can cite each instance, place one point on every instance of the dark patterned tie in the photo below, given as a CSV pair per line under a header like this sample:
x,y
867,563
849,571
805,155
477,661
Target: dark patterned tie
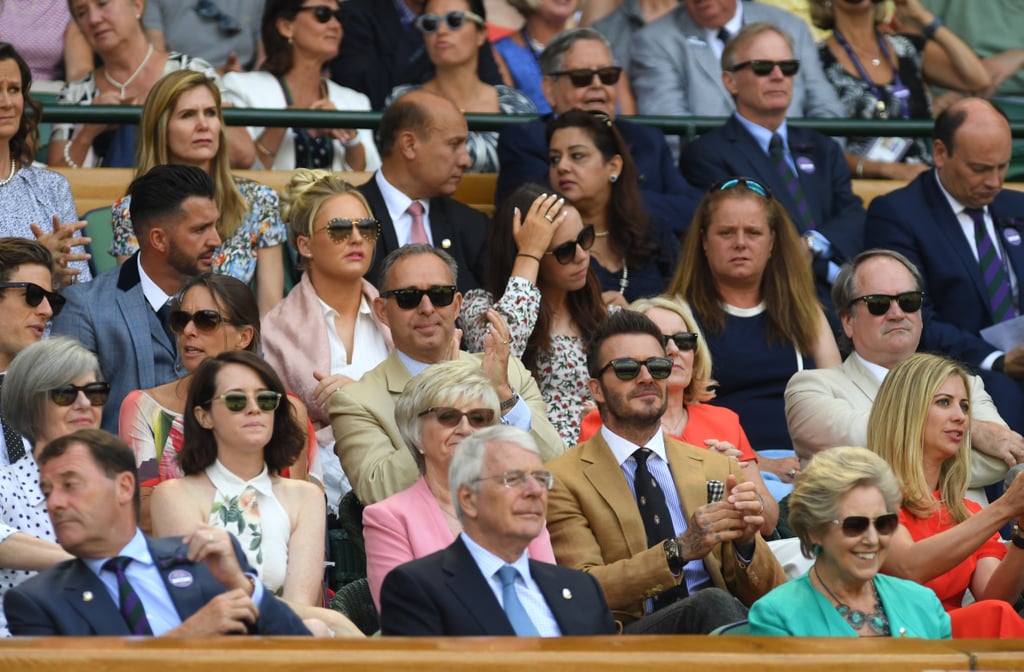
x,y
657,520
997,283
15,446
777,151
132,610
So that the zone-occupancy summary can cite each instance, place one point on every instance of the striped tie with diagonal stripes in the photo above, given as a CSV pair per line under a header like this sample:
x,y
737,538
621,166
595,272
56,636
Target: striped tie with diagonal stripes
x,y
997,283
804,217
132,610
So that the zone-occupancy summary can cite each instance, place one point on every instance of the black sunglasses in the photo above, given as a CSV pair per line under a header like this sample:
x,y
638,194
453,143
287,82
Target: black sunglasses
x,y
340,229
764,68
34,295
205,320
323,13
879,304
451,417
628,368
429,23
735,182
566,252
410,297
97,394
684,340
581,77
236,402
226,24
854,526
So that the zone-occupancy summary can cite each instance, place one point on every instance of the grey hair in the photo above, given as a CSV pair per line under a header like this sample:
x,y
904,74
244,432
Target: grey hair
x,y
747,33
468,460
832,473
442,384
413,249
36,370
553,56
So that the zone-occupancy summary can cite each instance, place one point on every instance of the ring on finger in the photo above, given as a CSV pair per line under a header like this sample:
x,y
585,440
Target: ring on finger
x,y
791,473
550,219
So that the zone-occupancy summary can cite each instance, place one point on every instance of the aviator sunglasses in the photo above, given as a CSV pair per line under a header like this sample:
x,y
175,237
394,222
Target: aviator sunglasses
x,y
97,393
854,526
764,68
34,295
879,304
410,297
429,23
628,368
684,340
205,320
323,13
340,229
566,252
582,77
236,402
451,417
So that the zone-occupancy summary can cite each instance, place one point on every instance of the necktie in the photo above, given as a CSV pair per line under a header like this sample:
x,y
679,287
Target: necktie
x,y
724,35
164,315
997,284
15,446
657,520
131,606
777,151
419,232
517,615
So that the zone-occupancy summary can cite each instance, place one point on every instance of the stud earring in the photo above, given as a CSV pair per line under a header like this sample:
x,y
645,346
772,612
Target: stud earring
x,y
613,178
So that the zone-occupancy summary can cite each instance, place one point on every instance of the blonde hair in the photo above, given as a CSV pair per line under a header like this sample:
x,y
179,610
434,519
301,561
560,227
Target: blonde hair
x,y
700,380
896,433
304,195
153,150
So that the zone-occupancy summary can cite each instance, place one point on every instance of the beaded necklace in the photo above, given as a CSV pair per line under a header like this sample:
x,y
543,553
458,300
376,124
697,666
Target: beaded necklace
x,y
877,621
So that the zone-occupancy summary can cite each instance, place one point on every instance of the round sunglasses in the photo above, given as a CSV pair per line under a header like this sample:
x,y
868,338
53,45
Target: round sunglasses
x,y
582,77
763,68
451,417
879,304
97,393
566,252
323,13
429,23
34,295
854,526
628,368
236,402
410,297
340,229
205,320
684,340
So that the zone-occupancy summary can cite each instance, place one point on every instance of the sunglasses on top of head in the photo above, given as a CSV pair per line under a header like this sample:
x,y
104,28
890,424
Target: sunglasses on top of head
x,y
879,304
410,297
684,340
323,13
340,228
582,77
97,393
566,252
429,23
735,182
763,68
236,401
34,295
854,526
628,368
205,320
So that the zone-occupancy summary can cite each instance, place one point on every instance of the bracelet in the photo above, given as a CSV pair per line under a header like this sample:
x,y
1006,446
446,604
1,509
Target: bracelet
x,y
67,155
529,256
262,149
860,166
929,30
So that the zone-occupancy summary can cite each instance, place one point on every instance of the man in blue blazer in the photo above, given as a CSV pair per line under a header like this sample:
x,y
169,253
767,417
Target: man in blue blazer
x,y
117,316
484,584
523,152
929,221
195,586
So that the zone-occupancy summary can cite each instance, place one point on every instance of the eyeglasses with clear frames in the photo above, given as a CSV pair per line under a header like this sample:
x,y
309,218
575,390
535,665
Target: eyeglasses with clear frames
x,y
516,478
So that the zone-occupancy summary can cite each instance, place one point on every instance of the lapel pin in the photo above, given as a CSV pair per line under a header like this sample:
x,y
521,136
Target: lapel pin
x,y
566,594
87,596
180,578
446,243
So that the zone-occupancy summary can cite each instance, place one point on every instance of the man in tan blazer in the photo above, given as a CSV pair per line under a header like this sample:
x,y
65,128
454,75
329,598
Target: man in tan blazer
x,y
830,407
372,452
712,560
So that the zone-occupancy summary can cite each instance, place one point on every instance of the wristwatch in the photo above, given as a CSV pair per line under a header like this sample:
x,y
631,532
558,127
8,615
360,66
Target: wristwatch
x,y
814,244
673,555
510,402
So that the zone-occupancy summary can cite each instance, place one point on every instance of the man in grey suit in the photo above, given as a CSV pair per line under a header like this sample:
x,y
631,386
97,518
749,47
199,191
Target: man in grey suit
x,y
830,407
121,315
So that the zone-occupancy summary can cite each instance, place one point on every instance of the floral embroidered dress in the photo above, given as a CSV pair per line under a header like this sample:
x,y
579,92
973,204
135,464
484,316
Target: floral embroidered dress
x,y
562,369
261,228
252,513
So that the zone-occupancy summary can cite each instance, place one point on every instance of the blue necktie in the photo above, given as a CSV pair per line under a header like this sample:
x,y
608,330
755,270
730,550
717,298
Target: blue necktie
x,y
517,615
997,284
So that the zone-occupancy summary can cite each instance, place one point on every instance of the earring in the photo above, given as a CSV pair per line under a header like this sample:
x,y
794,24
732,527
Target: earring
x,y
613,178
816,550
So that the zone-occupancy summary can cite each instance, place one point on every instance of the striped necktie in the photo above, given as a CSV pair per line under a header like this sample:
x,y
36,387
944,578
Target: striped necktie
x,y
804,217
132,610
997,283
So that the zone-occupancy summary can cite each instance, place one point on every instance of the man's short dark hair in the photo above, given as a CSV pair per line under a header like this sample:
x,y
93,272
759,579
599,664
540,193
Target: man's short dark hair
x,y
160,193
617,323
16,252
953,117
553,56
108,452
405,114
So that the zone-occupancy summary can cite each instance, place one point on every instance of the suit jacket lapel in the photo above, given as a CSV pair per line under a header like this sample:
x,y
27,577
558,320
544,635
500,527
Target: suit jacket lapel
x,y
861,377
87,595
605,474
395,373
801,145
560,600
1015,253
688,474
704,55
948,225
468,585
169,556
136,311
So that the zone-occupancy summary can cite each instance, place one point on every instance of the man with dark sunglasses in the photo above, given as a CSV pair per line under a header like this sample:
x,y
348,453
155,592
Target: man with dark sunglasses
x,y
879,297
630,487
805,170
420,303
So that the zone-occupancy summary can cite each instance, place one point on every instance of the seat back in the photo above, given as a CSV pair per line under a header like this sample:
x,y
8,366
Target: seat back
x,y
101,229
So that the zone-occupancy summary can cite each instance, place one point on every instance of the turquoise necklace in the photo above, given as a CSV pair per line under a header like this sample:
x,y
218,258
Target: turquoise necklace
x,y
876,620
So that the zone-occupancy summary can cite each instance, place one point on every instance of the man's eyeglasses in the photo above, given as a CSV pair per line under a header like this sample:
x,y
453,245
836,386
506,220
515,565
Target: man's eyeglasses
x,y
205,320
429,23
410,297
97,393
226,24
340,229
684,340
734,182
566,252
879,304
34,295
236,402
451,417
323,13
516,478
854,526
764,68
628,368
582,77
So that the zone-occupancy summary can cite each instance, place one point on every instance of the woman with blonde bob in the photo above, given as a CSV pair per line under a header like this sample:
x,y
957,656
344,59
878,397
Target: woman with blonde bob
x,y
843,509
920,425
182,122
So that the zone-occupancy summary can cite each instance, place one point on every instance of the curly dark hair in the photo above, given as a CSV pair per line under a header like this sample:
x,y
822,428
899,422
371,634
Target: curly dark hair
x,y
24,143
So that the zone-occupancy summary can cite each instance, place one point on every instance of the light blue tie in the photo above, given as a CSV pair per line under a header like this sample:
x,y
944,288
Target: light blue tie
x,y
517,615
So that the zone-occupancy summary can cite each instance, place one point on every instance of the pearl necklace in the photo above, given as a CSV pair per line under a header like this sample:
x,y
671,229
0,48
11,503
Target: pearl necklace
x,y
877,621
14,167
127,82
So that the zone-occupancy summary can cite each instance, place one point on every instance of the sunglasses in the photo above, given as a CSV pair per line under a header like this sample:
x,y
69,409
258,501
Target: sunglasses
x,y
566,252
340,229
236,402
734,182
764,68
628,368
879,304
515,478
323,13
684,340
226,24
410,297
583,77
451,417
429,23
205,320
97,394
34,295
854,526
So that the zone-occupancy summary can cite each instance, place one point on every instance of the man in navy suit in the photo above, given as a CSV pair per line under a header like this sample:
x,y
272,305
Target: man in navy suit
x,y
423,155
120,315
484,583
833,223
931,221
200,585
523,153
